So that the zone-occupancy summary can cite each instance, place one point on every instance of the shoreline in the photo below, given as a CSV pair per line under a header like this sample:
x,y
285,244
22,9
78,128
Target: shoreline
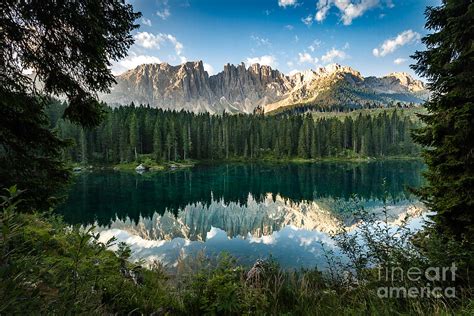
x,y
176,165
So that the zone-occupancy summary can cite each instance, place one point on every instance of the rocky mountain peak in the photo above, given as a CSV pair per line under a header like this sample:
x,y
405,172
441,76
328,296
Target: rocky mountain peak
x,y
338,69
242,89
193,65
401,74
406,80
304,76
193,69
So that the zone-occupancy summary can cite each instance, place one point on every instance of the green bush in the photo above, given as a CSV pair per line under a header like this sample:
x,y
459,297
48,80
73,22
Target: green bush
x,y
47,267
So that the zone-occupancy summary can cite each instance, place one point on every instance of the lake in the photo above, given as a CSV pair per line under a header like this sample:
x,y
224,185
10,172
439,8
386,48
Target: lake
x,y
249,210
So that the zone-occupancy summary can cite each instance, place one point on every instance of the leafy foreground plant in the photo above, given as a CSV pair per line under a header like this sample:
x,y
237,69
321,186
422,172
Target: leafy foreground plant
x,y
392,273
47,267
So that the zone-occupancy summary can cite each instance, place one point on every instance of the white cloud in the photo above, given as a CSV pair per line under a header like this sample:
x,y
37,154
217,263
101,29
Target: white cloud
x,y
323,8
349,9
399,61
392,44
209,69
164,14
146,21
287,3
132,61
333,54
268,60
314,45
308,21
290,63
289,27
149,40
307,58
261,41
178,47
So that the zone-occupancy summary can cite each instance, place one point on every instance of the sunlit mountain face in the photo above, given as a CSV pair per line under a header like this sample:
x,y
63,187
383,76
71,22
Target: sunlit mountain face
x,y
251,211
241,89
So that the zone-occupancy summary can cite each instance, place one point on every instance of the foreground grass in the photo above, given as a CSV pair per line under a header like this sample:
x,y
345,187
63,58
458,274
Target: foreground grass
x,y
47,267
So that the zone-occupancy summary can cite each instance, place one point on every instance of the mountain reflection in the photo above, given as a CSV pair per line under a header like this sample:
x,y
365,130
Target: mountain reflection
x,y
104,196
252,219
294,234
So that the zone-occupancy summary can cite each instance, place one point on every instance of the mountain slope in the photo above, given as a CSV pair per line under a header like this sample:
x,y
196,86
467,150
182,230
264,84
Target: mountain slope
x,y
336,86
238,89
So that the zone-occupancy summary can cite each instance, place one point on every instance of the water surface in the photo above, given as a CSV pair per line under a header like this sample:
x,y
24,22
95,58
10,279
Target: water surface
x,y
249,210
103,195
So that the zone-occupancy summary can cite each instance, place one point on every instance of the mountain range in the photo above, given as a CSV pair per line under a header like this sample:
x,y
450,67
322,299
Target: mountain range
x,y
241,89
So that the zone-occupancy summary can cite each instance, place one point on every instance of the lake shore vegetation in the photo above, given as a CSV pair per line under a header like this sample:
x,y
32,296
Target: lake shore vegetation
x,y
50,267
134,134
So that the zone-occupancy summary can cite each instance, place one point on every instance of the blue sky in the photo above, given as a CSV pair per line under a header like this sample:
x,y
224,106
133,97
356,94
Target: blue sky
x,y
375,37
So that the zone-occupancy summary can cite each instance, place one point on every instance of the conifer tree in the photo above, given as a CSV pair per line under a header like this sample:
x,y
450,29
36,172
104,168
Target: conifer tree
x,y
69,45
448,134
83,140
134,135
157,141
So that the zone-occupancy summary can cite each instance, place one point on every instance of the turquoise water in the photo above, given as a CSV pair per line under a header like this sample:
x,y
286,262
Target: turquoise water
x,y
248,210
102,195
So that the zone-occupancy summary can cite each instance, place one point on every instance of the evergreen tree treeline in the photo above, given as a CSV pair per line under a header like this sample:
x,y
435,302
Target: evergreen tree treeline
x,y
130,131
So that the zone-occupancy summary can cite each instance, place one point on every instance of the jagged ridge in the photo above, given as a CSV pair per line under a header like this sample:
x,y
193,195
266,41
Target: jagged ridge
x,y
241,89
